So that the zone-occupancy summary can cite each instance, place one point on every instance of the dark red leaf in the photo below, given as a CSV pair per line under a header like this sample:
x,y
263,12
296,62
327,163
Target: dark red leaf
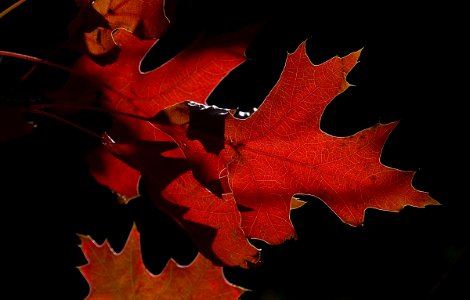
x,y
213,223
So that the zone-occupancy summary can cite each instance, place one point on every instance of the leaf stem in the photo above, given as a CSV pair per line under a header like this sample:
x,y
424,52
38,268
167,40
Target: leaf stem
x,y
67,122
36,60
12,7
34,67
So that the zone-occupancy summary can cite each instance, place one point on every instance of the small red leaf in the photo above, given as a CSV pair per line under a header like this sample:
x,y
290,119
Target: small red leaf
x,y
123,275
191,75
146,19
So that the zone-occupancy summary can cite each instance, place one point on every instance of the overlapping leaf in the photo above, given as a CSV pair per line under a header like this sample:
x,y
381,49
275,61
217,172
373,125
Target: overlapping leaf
x,y
93,29
281,151
123,275
192,74
114,173
213,223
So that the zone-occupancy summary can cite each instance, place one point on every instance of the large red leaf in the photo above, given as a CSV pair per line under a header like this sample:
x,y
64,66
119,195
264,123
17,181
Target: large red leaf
x,y
281,151
213,223
192,74
123,275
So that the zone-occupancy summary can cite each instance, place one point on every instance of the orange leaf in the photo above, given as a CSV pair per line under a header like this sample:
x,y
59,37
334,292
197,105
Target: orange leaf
x,y
123,275
144,18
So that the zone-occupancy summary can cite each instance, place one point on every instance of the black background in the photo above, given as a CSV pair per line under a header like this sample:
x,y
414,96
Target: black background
x,y
412,68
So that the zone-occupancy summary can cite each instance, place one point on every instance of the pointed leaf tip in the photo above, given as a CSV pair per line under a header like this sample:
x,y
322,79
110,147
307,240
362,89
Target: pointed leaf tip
x,y
350,60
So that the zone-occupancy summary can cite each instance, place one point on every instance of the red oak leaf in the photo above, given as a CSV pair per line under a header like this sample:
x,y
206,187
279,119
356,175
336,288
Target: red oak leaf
x,y
280,151
123,275
93,28
192,74
213,223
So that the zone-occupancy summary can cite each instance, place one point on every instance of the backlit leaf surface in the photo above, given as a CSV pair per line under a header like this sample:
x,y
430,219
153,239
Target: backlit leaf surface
x,y
280,151
123,275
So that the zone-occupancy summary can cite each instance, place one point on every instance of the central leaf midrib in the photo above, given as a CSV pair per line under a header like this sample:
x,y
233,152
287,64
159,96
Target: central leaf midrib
x,y
245,147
